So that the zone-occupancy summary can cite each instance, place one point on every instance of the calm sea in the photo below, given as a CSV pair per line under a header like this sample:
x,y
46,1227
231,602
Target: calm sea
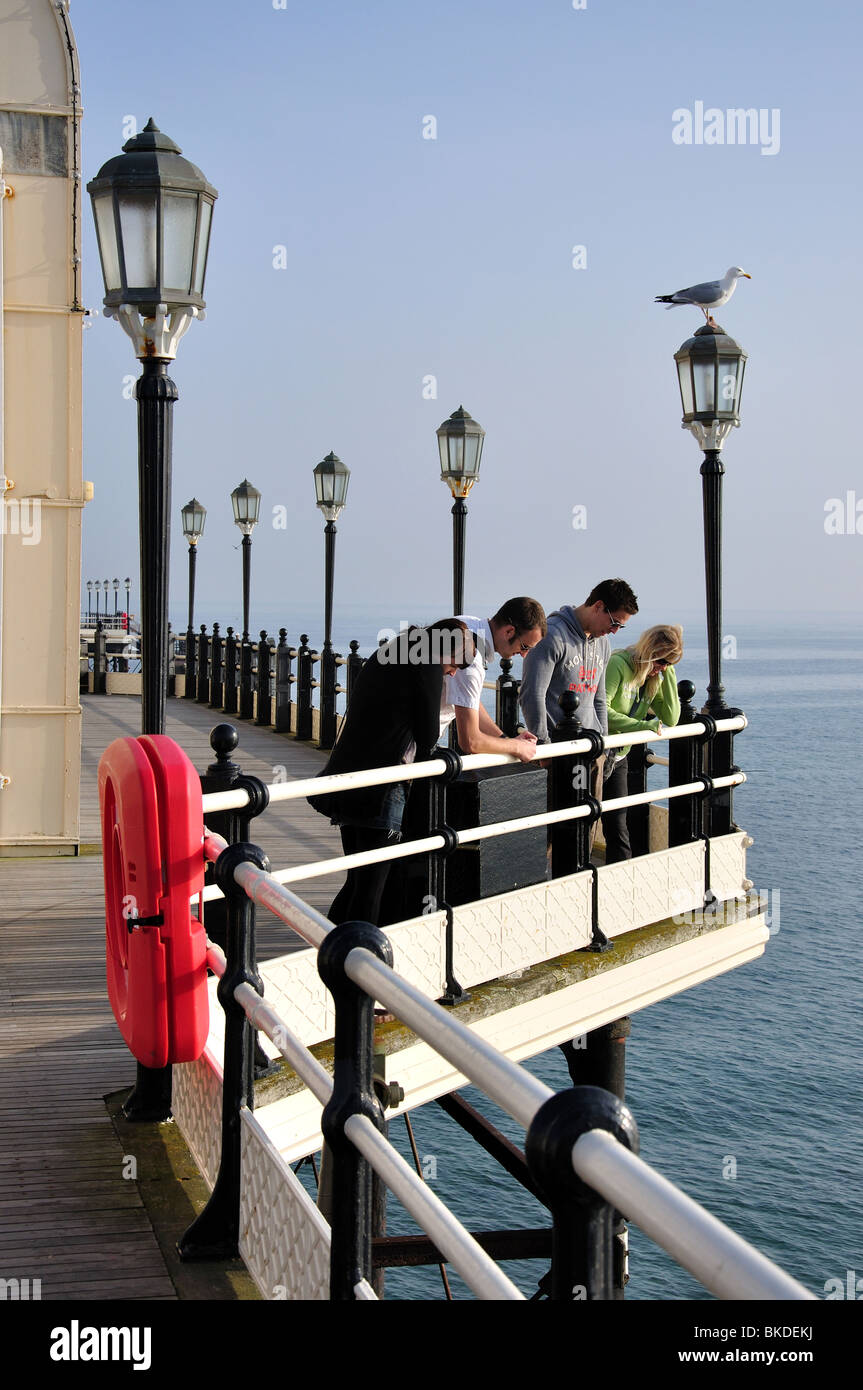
x,y
746,1089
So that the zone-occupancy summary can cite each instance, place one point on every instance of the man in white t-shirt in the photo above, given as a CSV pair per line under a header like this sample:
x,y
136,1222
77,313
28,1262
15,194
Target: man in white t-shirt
x,y
516,628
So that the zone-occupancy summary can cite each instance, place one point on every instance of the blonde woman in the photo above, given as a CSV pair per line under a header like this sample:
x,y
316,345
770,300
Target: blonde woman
x,y
641,691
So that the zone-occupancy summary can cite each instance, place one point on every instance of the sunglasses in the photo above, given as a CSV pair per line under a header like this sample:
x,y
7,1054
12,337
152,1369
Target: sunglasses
x,y
615,623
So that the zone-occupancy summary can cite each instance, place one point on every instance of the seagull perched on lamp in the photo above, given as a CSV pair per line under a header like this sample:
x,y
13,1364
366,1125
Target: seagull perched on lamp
x,y
711,295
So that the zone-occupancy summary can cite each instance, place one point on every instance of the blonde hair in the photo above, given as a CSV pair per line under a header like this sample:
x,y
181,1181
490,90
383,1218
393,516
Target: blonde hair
x,y
661,643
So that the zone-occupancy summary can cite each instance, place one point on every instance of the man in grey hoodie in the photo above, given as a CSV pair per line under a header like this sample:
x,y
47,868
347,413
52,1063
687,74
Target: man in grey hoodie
x,y
573,655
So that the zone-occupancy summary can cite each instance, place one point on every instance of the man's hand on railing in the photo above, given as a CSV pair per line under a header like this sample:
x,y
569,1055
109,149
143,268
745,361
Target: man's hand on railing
x,y
523,746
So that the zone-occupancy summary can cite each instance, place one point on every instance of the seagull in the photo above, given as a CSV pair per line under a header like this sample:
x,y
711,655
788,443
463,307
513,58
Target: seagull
x,y
711,295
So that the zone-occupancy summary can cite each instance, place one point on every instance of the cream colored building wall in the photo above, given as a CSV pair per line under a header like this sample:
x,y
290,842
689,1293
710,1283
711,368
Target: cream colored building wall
x,y
40,715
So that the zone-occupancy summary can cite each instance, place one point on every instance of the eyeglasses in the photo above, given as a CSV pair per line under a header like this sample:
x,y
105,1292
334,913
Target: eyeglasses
x,y
663,664
522,648
615,623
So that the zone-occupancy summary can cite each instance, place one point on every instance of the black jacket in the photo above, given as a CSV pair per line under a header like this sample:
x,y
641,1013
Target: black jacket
x,y
395,702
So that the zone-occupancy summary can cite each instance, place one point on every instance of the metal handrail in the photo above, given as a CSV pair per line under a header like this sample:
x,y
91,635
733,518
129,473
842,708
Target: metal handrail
x,y
477,1268
429,843
434,767
726,1264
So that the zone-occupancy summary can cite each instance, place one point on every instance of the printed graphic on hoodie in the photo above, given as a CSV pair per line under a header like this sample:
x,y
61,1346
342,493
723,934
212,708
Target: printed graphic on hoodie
x,y
588,680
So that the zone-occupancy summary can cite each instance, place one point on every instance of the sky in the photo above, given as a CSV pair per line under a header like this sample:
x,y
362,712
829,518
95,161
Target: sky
x,y
353,258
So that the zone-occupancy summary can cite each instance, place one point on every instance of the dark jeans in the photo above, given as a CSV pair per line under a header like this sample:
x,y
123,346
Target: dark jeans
x,y
360,898
614,825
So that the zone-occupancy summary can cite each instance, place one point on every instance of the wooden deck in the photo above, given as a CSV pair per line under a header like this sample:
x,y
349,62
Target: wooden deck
x,y
68,1215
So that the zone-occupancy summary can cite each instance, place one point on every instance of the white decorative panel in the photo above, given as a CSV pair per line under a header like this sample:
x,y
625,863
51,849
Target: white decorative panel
x,y
616,897
567,919
296,991
284,1240
686,878
651,887
728,865
638,892
476,942
419,952
196,1105
513,931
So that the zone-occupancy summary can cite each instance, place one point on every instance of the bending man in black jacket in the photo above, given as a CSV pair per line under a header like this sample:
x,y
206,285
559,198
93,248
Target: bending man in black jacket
x,y
394,716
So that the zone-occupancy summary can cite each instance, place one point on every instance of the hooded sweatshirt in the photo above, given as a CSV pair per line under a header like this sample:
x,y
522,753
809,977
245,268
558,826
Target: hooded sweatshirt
x,y
565,659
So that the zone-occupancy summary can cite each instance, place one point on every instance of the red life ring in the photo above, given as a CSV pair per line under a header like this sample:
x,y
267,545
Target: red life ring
x,y
156,951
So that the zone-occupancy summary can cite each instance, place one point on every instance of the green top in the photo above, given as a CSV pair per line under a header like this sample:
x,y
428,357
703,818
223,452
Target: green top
x,y
621,690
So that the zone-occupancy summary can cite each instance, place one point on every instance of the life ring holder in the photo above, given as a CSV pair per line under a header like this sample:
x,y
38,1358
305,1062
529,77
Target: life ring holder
x,y
156,951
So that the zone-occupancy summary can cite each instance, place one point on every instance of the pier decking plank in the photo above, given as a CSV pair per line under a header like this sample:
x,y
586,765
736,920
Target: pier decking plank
x,y
68,1216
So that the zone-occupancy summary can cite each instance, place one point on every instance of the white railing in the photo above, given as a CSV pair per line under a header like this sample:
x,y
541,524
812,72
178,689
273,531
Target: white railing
x,y
727,1265
435,767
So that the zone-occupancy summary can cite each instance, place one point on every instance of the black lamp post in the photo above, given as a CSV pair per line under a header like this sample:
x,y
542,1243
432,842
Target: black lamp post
x,y
331,491
710,368
116,587
194,515
97,585
246,502
89,600
460,441
128,585
153,211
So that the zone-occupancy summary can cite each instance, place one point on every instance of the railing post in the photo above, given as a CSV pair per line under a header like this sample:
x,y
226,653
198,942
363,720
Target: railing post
x,y
328,698
354,666
570,786
203,696
264,716
230,705
719,762
637,817
221,776
217,675
582,1259
100,661
351,1217
684,766
190,691
506,699
215,1233
304,689
247,705
454,992
598,1058
283,683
